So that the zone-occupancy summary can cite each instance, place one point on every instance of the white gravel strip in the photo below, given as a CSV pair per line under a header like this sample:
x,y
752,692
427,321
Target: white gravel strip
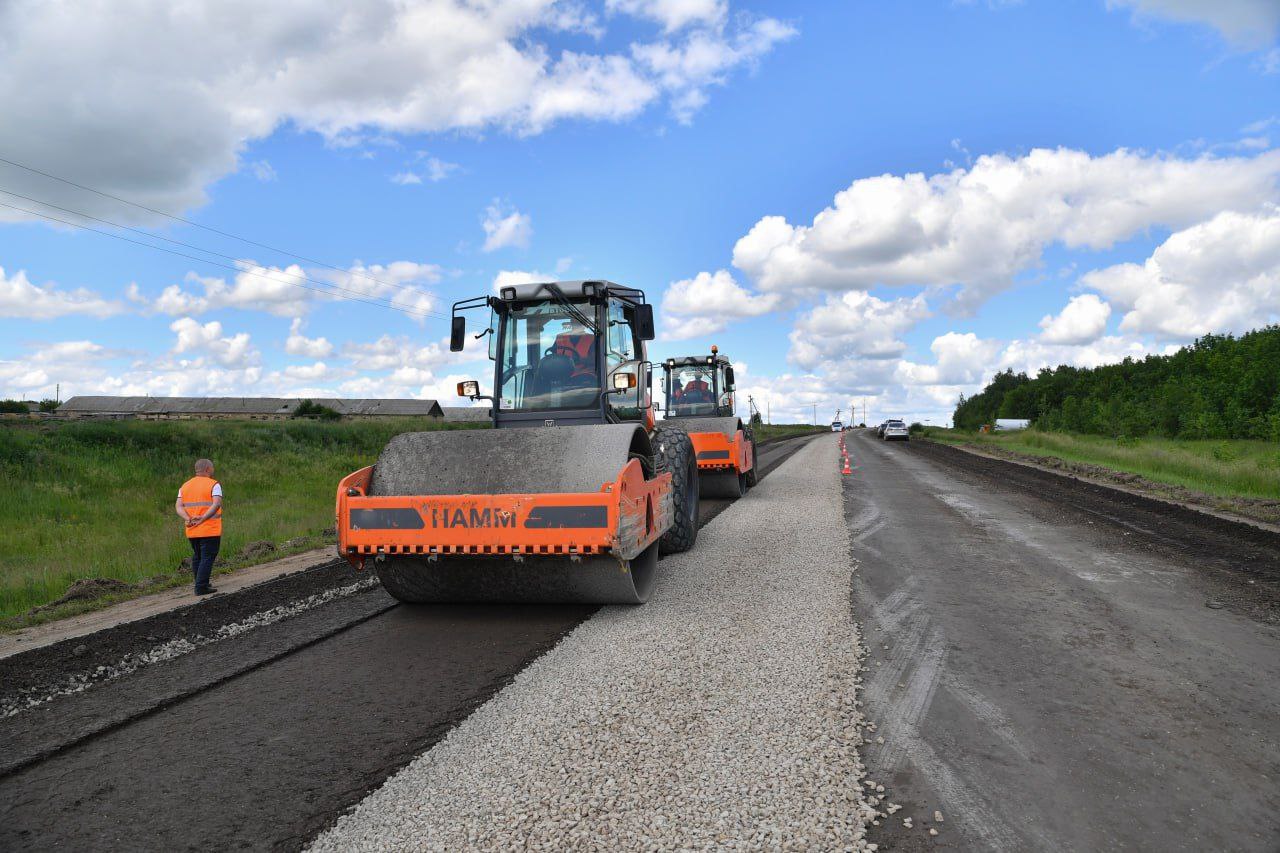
x,y
161,652
720,714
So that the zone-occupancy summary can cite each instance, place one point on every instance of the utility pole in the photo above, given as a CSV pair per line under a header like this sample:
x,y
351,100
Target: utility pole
x,y
815,414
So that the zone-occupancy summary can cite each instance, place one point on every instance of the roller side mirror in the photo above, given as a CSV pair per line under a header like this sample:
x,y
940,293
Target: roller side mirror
x,y
457,333
644,322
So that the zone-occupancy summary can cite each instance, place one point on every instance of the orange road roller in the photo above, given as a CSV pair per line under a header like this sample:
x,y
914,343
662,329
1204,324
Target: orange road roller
x,y
699,391
569,498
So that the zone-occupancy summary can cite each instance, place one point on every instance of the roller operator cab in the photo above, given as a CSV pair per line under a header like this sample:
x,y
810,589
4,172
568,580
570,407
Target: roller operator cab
x,y
699,393
564,353
572,495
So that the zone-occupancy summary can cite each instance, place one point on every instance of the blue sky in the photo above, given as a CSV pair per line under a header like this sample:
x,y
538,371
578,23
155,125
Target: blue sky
x,y
994,185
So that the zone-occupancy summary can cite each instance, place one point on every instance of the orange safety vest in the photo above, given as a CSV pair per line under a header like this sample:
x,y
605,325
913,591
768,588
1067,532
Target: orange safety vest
x,y
197,497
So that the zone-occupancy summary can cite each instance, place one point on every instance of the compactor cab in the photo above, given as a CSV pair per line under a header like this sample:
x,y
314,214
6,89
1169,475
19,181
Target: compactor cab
x,y
572,495
699,391
565,354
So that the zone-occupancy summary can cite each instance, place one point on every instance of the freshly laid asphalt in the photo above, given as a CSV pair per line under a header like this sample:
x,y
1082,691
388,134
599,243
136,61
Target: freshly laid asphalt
x,y
267,757
1058,667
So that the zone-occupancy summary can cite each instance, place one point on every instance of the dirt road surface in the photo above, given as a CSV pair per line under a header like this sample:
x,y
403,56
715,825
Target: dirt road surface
x,y
1055,667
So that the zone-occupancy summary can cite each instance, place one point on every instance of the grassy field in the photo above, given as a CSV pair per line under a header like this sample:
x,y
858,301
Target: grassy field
x,y
80,499
95,500
1222,468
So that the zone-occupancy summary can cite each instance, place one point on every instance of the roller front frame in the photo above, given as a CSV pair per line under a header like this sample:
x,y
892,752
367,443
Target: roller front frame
x,y
622,519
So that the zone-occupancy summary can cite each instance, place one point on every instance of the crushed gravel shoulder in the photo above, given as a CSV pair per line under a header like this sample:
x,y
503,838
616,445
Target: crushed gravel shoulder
x,y
722,713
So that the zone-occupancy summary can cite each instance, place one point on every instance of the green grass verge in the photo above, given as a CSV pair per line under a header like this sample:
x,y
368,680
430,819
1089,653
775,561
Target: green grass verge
x,y
1222,468
84,499
764,432
95,499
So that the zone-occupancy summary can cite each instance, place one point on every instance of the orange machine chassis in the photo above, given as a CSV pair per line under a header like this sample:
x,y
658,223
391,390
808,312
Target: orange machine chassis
x,y
623,518
716,454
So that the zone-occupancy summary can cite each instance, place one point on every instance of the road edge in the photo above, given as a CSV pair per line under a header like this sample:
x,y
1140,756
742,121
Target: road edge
x,y
1137,493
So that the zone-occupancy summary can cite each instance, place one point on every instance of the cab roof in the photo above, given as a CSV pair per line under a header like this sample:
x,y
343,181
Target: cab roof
x,y
571,289
704,360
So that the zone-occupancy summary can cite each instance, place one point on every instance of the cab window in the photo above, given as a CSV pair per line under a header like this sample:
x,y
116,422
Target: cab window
x,y
725,398
621,339
622,348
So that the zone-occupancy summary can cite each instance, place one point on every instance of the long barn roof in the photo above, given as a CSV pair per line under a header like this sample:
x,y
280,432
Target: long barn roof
x,y
244,406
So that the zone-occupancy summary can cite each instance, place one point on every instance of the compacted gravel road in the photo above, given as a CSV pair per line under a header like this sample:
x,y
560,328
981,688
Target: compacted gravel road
x,y
719,715
1056,666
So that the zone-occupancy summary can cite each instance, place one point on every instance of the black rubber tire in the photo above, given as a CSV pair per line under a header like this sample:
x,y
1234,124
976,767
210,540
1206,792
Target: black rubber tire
x,y
673,451
753,475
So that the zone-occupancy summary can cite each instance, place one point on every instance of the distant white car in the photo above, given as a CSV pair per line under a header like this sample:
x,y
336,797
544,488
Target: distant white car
x,y
895,430
836,426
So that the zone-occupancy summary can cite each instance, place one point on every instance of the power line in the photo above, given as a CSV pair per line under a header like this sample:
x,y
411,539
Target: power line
x,y
190,246
356,296
175,218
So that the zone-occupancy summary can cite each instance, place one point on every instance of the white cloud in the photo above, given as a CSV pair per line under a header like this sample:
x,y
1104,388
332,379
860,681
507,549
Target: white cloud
x,y
289,291
308,372
704,58
706,304
263,171
387,353
1222,275
1029,356
1248,23
408,383
673,14
167,97
960,359
399,282
46,366
510,278
205,342
854,324
211,365
20,298
182,379
979,227
275,290
1082,320
427,168
608,88
298,344
1269,62
505,226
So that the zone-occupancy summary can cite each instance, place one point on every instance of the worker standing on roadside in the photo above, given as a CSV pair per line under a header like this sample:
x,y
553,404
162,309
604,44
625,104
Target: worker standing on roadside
x,y
200,507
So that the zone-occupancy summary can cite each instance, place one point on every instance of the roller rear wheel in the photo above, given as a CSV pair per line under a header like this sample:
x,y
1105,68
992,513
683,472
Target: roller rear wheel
x,y
673,451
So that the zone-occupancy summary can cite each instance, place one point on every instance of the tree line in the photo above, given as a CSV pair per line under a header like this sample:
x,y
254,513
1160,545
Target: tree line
x,y
1220,386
